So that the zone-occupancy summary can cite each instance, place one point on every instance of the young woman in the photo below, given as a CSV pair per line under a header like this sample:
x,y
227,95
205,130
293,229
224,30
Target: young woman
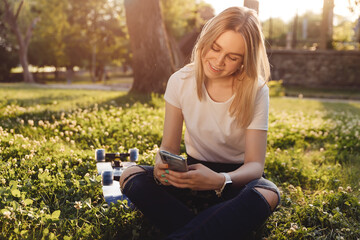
x,y
223,99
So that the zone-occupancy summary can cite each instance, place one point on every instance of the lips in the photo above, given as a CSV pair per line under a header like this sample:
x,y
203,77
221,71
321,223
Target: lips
x,y
214,69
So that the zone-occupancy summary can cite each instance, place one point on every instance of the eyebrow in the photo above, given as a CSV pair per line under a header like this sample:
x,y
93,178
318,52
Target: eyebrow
x,y
238,54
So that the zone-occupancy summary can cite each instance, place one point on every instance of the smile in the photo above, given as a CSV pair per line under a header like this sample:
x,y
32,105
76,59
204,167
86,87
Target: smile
x,y
214,69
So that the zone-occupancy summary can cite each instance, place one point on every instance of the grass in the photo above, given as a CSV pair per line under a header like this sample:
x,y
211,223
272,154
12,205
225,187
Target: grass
x,y
293,91
50,189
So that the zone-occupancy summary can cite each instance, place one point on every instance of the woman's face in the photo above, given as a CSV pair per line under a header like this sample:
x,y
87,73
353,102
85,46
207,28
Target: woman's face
x,y
225,56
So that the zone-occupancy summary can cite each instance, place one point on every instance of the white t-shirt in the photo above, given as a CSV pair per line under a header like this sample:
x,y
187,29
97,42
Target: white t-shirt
x,y
211,134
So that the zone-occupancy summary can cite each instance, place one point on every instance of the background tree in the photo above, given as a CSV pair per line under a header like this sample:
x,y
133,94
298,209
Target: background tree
x,y
309,36
183,21
354,6
254,4
275,30
88,34
152,60
11,13
344,34
327,24
8,56
47,47
99,30
180,16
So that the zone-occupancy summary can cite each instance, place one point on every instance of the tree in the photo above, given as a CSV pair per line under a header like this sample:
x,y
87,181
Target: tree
x,y
7,52
179,16
344,34
253,4
11,16
354,5
152,61
98,28
85,33
275,30
47,47
327,24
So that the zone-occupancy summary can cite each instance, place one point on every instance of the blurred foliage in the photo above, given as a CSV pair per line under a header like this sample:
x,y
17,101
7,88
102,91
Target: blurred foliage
x,y
8,56
276,30
72,32
276,88
182,16
75,32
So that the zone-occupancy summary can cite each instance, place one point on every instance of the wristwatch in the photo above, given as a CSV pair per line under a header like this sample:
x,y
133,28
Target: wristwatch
x,y
227,181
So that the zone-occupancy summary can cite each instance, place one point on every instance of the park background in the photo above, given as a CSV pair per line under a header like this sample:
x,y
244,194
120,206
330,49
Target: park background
x,y
49,185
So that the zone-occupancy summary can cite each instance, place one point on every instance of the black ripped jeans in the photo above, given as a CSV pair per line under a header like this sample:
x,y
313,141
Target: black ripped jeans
x,y
188,214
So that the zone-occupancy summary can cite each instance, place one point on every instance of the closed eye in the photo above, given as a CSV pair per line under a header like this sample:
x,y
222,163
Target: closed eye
x,y
233,59
215,48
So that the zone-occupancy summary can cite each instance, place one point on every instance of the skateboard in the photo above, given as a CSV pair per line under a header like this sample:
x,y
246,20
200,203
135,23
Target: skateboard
x,y
110,166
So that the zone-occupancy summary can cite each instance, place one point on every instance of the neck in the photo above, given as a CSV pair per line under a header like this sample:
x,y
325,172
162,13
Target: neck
x,y
220,90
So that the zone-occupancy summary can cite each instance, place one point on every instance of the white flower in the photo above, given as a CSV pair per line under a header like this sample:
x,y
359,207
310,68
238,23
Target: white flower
x,y
78,205
7,214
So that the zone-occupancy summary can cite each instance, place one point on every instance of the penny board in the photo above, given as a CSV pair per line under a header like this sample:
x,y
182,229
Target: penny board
x,y
112,192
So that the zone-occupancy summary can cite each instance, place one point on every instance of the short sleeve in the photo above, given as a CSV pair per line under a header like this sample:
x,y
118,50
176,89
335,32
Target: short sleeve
x,y
261,112
172,90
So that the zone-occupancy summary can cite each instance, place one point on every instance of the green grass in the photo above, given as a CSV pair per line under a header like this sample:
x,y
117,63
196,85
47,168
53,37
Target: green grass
x,y
322,92
49,186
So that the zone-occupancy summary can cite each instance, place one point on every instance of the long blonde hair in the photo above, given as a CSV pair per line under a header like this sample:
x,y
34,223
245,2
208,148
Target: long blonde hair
x,y
255,63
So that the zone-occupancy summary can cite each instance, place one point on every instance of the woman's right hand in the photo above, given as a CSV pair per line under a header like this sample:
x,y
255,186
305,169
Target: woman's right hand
x,y
161,170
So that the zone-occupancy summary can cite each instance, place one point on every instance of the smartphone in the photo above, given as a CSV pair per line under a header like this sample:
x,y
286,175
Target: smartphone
x,y
175,162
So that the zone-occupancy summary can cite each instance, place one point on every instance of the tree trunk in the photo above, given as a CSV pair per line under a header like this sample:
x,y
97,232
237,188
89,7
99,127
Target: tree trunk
x,y
327,24
23,42
23,50
93,63
253,4
69,74
152,60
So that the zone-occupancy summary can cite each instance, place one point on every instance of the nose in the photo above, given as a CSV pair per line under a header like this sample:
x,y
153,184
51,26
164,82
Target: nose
x,y
220,60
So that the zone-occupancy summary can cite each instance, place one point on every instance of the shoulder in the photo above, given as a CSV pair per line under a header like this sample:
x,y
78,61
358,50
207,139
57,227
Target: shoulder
x,y
262,88
184,73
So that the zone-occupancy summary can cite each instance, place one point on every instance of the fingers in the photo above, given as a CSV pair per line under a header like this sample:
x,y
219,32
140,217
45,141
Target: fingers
x,y
195,166
160,172
162,166
180,179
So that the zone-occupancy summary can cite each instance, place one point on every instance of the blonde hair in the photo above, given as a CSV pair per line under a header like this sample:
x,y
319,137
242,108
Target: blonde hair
x,y
255,62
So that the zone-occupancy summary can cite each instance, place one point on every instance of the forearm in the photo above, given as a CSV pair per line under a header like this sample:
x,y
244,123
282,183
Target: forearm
x,y
246,173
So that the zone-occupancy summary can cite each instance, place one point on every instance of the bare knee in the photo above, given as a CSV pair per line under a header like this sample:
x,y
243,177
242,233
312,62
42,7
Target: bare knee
x,y
128,174
270,196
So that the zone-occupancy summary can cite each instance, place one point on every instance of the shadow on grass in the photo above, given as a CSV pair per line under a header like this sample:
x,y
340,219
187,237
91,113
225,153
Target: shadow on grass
x,y
78,101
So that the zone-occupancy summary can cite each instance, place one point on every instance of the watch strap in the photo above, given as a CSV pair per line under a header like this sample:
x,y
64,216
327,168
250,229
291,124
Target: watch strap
x,y
227,181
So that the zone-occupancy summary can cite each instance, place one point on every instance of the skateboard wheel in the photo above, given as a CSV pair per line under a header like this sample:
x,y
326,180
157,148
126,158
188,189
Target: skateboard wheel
x,y
100,155
107,178
134,154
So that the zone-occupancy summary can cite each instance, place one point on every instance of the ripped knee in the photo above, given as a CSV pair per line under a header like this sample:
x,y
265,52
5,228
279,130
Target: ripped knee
x,y
270,196
128,174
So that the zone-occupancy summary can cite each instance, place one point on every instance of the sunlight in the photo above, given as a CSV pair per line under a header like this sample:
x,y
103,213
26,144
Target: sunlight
x,y
285,9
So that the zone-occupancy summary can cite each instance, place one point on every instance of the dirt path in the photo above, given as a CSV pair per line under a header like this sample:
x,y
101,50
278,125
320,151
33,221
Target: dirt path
x,y
119,87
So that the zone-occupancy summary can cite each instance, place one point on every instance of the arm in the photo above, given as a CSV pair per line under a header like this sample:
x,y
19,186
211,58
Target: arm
x,y
171,140
203,178
255,150
172,132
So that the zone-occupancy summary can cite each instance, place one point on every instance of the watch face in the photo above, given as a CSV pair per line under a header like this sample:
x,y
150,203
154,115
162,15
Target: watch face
x,y
227,178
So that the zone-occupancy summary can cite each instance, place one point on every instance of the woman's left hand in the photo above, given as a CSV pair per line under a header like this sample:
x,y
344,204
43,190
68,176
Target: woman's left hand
x,y
198,177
